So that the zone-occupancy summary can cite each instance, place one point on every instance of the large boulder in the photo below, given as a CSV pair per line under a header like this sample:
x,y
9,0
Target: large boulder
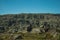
x,y
18,37
35,30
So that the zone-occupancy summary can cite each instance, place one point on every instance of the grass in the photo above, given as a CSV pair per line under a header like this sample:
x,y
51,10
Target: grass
x,y
28,36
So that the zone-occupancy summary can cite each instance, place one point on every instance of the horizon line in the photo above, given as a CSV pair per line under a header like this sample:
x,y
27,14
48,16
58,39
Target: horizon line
x,y
26,13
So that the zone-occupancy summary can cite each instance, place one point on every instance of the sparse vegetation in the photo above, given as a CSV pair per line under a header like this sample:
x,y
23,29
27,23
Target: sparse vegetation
x,y
22,27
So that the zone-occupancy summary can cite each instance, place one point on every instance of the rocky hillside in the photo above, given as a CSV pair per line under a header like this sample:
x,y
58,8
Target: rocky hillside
x,y
30,25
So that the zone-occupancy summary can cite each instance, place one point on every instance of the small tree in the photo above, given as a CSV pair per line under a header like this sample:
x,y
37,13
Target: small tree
x,y
29,28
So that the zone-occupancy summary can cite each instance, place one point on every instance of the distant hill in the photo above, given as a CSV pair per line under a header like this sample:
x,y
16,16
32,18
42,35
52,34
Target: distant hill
x,y
32,23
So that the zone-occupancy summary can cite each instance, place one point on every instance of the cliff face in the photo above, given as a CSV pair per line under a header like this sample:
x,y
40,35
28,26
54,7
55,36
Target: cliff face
x,y
32,23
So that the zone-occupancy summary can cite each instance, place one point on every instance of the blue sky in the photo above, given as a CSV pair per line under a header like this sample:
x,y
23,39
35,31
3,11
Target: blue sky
x,y
29,6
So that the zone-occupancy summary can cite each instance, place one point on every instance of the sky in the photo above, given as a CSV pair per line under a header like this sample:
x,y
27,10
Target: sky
x,y
29,6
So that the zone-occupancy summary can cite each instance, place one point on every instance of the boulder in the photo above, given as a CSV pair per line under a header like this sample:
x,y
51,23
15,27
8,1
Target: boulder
x,y
18,37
